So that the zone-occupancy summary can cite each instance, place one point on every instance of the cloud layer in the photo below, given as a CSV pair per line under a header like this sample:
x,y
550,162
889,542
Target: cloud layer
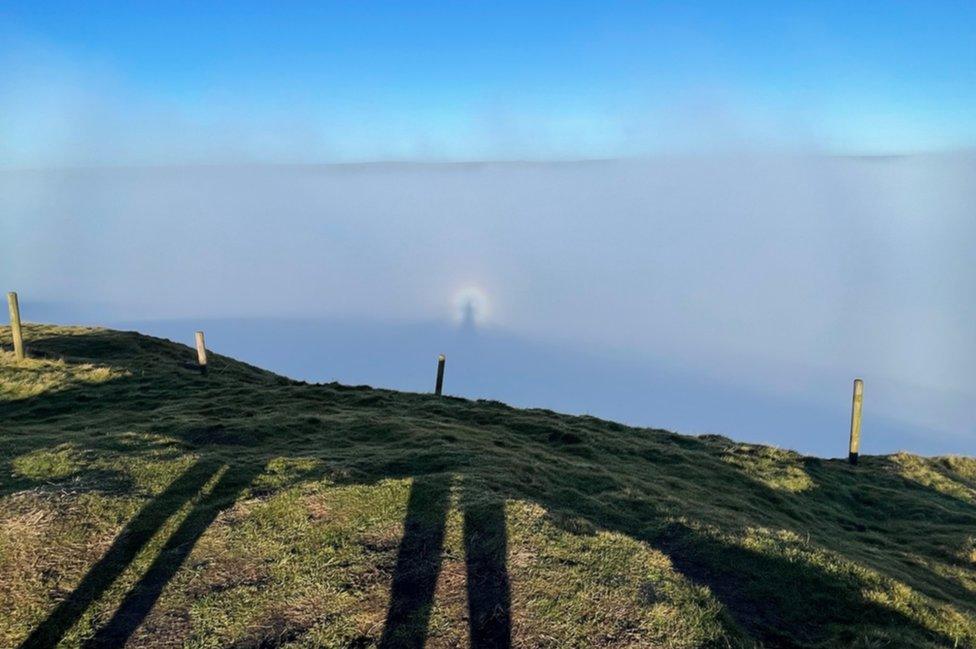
x,y
788,275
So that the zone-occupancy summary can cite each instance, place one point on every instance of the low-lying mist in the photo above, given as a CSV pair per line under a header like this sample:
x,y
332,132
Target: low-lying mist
x,y
737,295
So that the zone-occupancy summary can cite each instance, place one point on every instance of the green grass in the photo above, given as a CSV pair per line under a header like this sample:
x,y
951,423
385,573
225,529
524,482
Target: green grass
x,y
141,501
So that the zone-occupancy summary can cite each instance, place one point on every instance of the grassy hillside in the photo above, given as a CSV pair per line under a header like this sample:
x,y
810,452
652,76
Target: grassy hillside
x,y
143,502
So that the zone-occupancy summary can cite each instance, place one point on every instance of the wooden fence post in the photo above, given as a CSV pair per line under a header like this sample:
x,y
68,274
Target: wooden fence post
x,y
201,353
15,330
440,375
856,421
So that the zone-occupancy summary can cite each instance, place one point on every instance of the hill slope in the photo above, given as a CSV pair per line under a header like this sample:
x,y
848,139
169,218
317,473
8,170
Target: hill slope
x,y
143,502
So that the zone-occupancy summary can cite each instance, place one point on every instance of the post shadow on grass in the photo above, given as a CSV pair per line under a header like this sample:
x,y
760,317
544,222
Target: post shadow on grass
x,y
419,561
127,545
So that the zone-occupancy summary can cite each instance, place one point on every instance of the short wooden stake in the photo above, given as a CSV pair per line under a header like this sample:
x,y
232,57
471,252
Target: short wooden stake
x,y
201,353
440,374
15,330
856,421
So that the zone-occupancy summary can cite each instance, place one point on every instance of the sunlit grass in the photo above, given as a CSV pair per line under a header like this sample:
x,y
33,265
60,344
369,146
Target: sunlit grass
x,y
614,536
22,379
773,467
953,476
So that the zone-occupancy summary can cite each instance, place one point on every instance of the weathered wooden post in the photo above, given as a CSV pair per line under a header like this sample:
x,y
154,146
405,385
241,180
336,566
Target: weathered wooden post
x,y
201,353
856,421
440,374
15,330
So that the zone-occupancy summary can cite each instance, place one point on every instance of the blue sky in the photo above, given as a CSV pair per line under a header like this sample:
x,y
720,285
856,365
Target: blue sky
x,y
174,82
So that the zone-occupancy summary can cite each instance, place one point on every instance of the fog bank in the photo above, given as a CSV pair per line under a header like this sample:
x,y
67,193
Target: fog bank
x,y
782,277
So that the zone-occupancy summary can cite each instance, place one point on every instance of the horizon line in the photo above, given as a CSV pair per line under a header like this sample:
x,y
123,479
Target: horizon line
x,y
461,163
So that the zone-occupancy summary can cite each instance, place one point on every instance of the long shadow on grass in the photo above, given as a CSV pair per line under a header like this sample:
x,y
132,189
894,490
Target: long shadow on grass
x,y
144,594
154,381
588,472
127,545
141,597
419,562
485,550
